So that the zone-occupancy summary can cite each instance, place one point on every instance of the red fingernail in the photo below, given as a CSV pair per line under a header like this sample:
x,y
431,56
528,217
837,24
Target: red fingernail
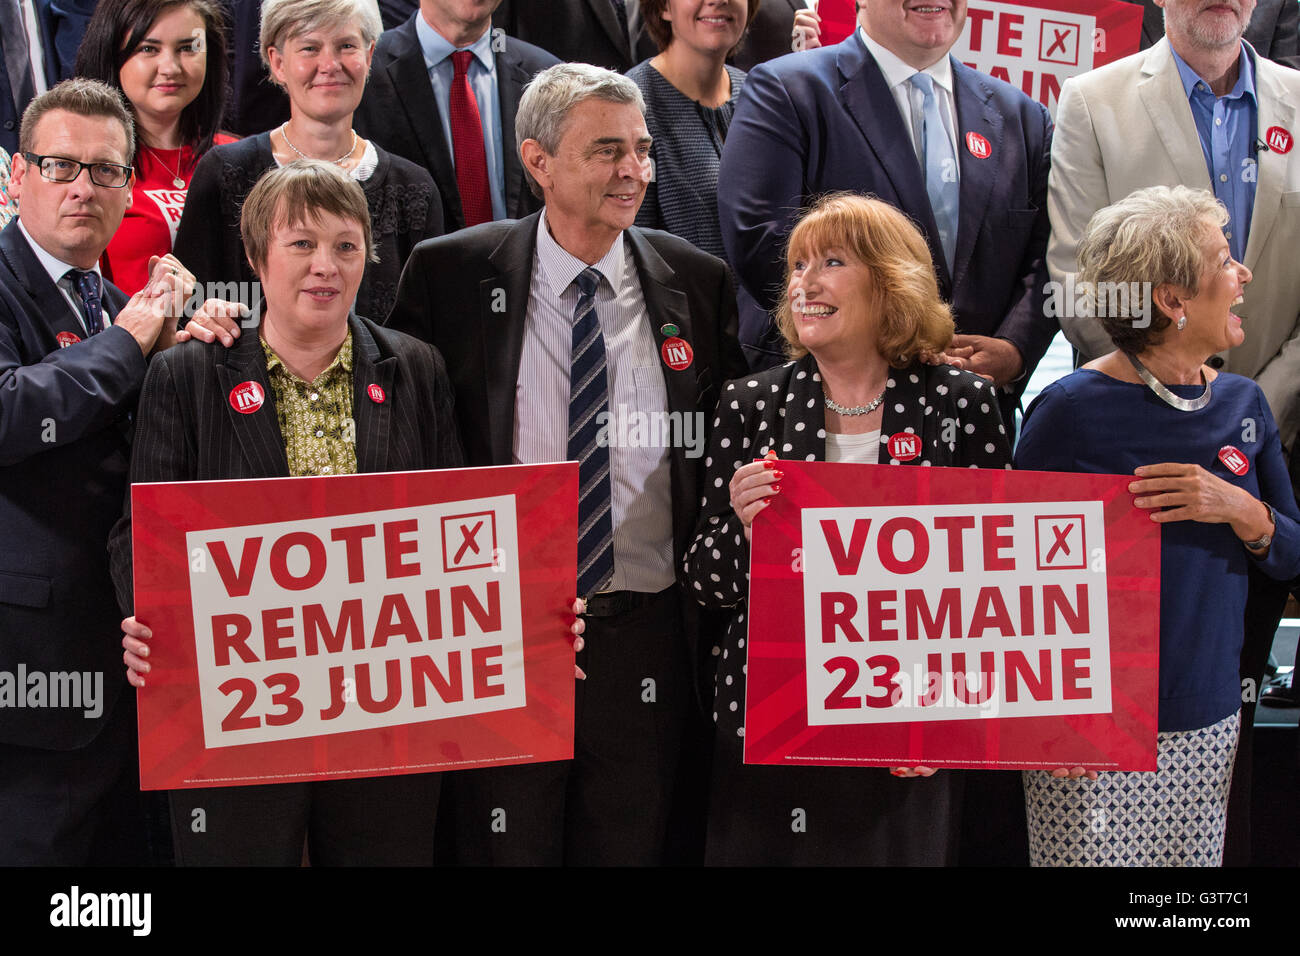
x,y
776,487
778,474
769,465
896,773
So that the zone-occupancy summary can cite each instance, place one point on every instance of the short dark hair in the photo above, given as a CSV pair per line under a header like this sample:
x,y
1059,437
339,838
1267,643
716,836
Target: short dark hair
x,y
661,30
81,97
117,28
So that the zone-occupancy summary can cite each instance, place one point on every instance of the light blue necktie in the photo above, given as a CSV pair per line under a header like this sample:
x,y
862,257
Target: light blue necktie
x,y
940,166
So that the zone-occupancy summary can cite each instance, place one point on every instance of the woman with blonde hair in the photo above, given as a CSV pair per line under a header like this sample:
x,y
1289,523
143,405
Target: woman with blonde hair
x,y
862,310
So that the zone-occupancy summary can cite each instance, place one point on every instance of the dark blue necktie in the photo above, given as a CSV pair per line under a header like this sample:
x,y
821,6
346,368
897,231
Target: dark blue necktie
x,y
90,288
588,397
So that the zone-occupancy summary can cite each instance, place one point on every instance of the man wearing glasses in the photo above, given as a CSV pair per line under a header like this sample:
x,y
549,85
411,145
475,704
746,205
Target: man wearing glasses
x,y
73,352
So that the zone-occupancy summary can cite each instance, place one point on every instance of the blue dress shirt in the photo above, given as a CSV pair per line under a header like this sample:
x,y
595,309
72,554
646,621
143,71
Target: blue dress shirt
x,y
1226,126
483,81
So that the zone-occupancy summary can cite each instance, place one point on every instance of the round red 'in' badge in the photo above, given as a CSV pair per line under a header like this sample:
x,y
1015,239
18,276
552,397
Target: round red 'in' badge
x,y
247,397
376,393
904,446
1234,461
1279,140
677,353
67,338
978,146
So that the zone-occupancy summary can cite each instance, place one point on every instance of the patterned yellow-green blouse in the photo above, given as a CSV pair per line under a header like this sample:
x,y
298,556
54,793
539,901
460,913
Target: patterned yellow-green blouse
x,y
316,417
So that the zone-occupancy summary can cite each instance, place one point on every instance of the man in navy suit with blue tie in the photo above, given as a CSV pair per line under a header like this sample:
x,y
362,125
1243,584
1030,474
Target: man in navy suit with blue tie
x,y
889,112
72,358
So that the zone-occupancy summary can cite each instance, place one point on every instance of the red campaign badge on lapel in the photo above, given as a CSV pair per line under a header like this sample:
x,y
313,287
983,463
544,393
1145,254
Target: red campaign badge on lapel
x,y
1279,140
677,353
376,393
904,446
978,146
1234,460
67,338
247,397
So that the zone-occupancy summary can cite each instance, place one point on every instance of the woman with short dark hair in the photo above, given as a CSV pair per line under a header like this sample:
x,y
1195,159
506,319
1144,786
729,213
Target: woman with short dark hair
x,y
690,96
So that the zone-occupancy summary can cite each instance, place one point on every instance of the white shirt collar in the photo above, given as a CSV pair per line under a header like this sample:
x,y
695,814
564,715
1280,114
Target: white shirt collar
x,y
560,267
57,268
436,48
897,72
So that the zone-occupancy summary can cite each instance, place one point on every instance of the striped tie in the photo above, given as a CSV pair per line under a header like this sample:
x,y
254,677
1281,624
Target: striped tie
x,y
588,398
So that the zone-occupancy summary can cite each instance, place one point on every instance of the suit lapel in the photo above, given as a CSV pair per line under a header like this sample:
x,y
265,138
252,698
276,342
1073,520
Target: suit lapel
x,y
1161,88
410,76
975,114
1275,109
259,431
906,395
374,419
511,80
868,100
502,330
809,407
608,19
36,282
668,313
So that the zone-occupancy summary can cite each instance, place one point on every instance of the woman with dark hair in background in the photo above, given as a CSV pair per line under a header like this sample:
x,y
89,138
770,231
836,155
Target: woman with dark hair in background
x,y
690,96
156,54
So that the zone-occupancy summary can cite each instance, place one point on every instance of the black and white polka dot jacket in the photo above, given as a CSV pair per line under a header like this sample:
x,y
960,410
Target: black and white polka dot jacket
x,y
782,409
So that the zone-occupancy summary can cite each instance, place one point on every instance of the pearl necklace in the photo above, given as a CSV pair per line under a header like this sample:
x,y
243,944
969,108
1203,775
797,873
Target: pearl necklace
x,y
337,162
1169,398
866,409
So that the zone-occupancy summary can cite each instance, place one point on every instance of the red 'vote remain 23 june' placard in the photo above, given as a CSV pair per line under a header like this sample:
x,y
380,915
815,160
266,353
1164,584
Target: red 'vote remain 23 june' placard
x,y
360,625
952,617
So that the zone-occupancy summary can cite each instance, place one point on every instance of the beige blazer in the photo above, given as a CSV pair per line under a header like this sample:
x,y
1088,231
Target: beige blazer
x,y
1128,125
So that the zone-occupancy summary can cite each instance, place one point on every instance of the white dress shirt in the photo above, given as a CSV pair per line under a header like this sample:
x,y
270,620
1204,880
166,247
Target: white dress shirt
x,y
35,51
640,476
910,100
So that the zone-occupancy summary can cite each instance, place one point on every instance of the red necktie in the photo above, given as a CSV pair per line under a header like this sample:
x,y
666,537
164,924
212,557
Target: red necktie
x,y
467,144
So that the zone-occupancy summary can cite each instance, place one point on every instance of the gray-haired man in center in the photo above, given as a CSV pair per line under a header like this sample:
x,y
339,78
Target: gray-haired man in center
x,y
560,330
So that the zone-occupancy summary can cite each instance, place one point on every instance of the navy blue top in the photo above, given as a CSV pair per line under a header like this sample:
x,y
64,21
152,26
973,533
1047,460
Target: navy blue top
x,y
1092,423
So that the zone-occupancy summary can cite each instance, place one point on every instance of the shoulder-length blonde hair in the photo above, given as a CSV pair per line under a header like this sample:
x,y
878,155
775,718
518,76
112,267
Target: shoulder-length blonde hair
x,y
912,316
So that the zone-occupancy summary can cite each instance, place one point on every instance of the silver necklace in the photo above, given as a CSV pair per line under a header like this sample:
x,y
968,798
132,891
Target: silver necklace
x,y
337,162
866,409
176,176
1168,397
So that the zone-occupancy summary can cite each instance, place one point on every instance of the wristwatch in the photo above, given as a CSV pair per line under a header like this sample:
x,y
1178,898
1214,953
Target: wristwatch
x,y
1263,541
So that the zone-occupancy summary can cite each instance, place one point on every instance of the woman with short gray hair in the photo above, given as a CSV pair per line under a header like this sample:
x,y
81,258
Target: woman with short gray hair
x,y
320,52
1157,273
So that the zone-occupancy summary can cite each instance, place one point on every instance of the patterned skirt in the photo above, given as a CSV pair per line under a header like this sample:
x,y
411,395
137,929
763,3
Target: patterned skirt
x,y
1173,817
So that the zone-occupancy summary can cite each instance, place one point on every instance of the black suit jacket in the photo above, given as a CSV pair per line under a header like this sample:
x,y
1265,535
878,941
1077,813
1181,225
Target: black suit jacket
x,y
451,294
769,34
577,31
64,445
399,113
187,430
11,116
1274,29
255,104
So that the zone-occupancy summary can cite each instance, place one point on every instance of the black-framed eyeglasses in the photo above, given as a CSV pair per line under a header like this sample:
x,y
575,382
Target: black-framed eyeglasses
x,y
60,169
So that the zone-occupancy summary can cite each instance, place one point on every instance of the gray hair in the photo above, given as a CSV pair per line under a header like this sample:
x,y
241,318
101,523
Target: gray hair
x,y
1151,237
550,97
282,20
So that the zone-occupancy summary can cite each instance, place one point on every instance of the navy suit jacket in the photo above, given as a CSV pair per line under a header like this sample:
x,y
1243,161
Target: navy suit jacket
x,y
64,451
11,117
825,120
399,113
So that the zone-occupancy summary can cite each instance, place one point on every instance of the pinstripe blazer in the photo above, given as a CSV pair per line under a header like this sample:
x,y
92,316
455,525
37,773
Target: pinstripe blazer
x,y
187,430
